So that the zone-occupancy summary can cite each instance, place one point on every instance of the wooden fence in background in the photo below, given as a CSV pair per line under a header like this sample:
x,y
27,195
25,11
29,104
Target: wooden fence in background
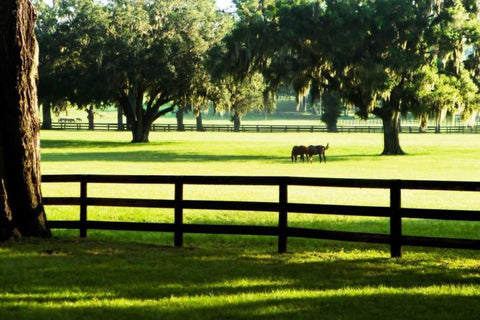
x,y
353,128
283,207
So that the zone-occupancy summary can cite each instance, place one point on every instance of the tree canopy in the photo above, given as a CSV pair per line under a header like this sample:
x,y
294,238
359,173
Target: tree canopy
x,y
384,57
146,56
371,53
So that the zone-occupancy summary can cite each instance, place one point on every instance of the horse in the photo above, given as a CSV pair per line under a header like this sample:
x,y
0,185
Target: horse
x,y
301,151
320,150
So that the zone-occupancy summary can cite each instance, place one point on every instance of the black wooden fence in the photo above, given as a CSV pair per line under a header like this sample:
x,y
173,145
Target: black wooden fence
x,y
349,128
394,212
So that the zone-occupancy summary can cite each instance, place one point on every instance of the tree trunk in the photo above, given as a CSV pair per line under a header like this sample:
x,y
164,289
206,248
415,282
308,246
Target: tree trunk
x,y
423,123
199,121
331,109
140,132
21,206
391,141
179,115
90,117
440,116
120,126
236,119
332,127
390,115
47,116
438,121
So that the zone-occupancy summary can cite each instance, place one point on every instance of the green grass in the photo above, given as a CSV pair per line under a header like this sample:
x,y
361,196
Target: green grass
x,y
437,157
125,275
66,278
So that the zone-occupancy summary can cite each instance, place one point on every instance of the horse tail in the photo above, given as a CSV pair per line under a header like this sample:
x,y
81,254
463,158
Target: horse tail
x,y
293,152
326,147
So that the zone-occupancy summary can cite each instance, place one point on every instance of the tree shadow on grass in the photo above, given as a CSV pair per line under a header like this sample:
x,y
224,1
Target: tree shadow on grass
x,y
153,156
84,144
171,282
356,157
131,152
135,153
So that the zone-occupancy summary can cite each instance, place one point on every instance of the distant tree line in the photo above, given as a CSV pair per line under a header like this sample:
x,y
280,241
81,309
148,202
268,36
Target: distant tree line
x,y
385,57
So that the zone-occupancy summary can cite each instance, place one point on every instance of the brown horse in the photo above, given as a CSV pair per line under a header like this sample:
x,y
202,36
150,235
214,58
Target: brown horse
x,y
320,150
301,151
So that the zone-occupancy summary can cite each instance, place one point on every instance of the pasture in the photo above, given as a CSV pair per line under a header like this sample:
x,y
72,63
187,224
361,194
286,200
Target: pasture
x,y
126,274
433,157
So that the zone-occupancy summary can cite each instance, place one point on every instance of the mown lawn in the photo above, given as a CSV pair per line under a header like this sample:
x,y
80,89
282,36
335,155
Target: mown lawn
x,y
126,275
438,157
101,277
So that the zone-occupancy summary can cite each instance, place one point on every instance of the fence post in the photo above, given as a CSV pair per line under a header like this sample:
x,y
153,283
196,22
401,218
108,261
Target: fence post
x,y
282,219
83,207
395,220
178,235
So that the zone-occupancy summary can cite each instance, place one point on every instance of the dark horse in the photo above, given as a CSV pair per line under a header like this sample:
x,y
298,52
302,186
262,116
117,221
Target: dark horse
x,y
320,150
301,151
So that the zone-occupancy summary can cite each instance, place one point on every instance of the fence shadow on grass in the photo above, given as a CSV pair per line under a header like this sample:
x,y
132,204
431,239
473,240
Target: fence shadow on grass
x,y
108,271
137,272
315,306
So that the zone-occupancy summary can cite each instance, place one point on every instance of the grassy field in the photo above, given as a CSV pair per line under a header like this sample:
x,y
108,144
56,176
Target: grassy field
x,y
437,157
125,275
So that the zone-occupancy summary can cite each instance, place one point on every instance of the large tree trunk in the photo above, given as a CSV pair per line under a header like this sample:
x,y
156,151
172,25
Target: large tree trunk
x,y
47,116
390,115
391,140
138,123
21,206
332,127
179,116
331,110
140,131
237,120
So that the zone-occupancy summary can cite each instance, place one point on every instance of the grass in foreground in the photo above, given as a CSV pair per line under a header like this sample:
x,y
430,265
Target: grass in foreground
x,y
125,275
67,278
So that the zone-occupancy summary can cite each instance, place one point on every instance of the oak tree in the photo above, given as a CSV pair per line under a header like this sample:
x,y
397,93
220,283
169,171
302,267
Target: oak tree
x,y
21,207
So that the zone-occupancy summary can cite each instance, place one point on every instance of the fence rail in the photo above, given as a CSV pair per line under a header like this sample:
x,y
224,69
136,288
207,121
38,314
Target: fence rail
x,y
354,128
394,212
